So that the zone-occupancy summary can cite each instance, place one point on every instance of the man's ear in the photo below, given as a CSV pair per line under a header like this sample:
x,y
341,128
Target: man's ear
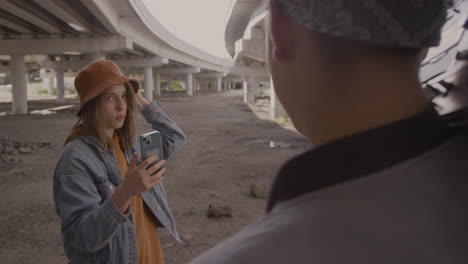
x,y
279,24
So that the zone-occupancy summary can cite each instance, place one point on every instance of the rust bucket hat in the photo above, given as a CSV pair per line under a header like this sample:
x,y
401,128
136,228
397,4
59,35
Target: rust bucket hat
x,y
97,77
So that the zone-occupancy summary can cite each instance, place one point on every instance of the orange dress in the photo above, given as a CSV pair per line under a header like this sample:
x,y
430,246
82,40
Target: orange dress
x,y
148,243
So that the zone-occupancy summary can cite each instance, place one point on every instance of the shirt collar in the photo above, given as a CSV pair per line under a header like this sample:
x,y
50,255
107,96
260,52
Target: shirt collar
x,y
358,155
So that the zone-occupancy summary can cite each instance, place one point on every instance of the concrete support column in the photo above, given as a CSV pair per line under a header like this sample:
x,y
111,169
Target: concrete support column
x,y
148,84
249,95
60,74
244,88
52,85
195,85
218,84
19,90
276,108
189,86
157,84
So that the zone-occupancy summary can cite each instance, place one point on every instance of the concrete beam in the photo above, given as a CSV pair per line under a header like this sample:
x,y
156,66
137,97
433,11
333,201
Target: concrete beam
x,y
234,79
106,12
134,71
61,13
82,20
31,18
130,63
142,62
250,71
7,68
65,65
97,56
136,53
251,48
62,45
210,75
184,70
16,27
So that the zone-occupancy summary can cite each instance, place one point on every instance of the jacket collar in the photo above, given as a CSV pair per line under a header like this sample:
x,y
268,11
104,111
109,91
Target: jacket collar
x,y
93,141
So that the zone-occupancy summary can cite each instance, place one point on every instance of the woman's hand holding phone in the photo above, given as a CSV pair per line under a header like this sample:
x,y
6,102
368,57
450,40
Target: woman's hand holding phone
x,y
138,180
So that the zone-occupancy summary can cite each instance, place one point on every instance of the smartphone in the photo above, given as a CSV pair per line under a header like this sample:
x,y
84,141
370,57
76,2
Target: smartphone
x,y
151,145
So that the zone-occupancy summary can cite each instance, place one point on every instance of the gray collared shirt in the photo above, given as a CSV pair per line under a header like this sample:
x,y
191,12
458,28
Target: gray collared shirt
x,y
412,212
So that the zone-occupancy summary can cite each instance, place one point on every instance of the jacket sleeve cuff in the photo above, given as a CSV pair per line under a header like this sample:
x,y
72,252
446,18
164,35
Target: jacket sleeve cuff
x,y
113,212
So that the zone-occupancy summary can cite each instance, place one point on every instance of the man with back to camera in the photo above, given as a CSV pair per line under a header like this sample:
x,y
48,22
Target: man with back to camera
x,y
387,180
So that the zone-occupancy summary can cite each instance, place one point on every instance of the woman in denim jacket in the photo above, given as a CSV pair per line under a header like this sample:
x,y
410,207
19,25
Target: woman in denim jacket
x,y
110,205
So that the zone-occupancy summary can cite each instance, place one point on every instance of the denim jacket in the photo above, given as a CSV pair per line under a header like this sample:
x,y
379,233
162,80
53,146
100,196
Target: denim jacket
x,y
93,229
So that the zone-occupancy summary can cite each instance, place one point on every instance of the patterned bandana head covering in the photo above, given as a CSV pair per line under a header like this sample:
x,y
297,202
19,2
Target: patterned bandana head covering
x,y
388,23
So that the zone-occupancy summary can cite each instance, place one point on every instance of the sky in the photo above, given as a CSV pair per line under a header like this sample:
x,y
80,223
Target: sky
x,y
200,23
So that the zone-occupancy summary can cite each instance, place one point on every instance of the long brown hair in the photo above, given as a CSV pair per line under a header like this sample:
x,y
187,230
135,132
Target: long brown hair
x,y
91,122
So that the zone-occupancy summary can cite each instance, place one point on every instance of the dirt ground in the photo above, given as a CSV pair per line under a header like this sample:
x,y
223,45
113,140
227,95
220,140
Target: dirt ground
x,y
229,149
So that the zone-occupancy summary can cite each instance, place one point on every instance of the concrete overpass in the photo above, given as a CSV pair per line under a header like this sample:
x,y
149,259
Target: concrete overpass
x,y
245,38
61,36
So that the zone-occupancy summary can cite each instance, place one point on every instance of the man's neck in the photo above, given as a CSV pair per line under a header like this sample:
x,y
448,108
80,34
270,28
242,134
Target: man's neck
x,y
365,100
